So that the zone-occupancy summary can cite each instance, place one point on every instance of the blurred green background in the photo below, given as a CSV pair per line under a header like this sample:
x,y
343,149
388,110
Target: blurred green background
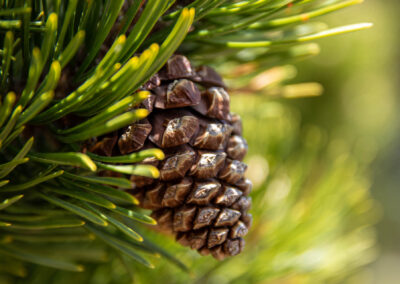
x,y
360,73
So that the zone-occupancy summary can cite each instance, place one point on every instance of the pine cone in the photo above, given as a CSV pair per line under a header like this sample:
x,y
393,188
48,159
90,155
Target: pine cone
x,y
202,194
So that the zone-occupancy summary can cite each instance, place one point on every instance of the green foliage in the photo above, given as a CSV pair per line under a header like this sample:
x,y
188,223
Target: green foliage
x,y
64,60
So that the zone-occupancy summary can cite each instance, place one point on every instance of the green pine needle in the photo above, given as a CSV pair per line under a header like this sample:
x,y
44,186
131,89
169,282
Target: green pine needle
x,y
9,201
65,158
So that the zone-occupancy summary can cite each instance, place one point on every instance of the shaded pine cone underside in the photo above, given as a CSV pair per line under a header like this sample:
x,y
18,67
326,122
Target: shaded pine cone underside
x,y
202,194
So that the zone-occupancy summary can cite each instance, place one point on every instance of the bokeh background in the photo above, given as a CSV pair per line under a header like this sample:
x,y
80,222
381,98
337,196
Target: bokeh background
x,y
360,73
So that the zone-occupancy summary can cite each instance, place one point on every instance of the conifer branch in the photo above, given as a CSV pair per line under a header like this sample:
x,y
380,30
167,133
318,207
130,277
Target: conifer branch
x,y
72,71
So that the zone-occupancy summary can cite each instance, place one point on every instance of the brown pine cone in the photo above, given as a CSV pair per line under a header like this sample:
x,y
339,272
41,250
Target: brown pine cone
x,y
202,194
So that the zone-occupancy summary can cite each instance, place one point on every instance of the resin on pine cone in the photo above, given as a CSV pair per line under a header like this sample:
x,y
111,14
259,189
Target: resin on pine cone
x,y
202,194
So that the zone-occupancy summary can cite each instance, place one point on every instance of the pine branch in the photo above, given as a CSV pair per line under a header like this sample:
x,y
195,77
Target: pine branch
x,y
75,70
